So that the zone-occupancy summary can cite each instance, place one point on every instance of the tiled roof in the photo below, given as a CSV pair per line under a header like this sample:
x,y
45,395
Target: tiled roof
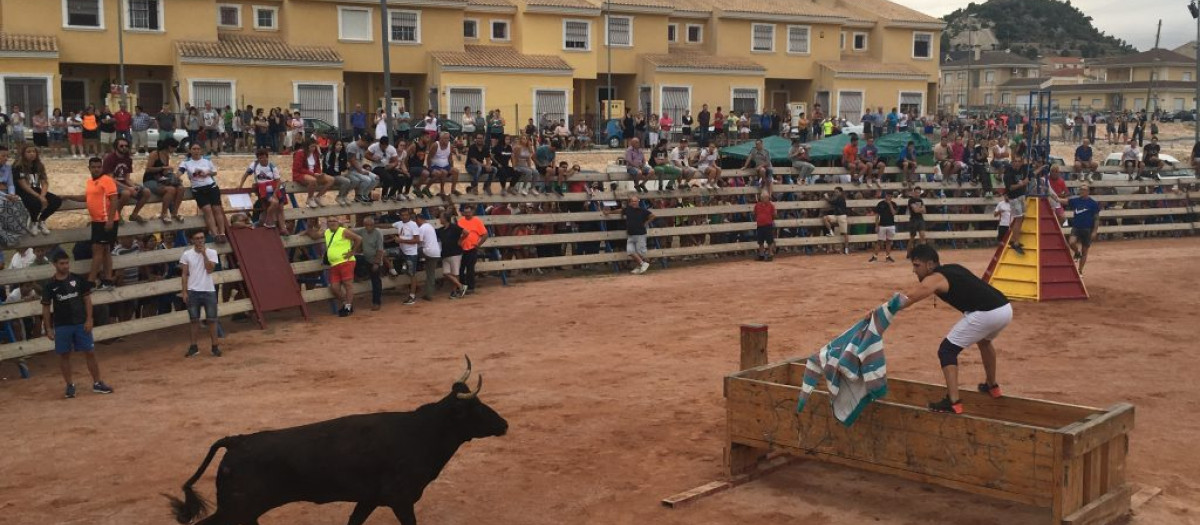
x,y
1156,56
1158,85
11,42
490,3
693,60
240,47
1023,82
986,58
577,4
871,68
803,8
498,57
889,11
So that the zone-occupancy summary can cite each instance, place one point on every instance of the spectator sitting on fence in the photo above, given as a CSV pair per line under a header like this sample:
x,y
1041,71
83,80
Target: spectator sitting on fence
x,y
119,165
440,162
662,167
837,216
760,160
943,155
870,163
850,162
203,176
636,165
543,158
336,165
636,221
162,180
307,172
1084,161
801,163
680,157
709,166
582,137
1150,154
67,319
479,163
28,181
1131,159
908,164
268,186
25,328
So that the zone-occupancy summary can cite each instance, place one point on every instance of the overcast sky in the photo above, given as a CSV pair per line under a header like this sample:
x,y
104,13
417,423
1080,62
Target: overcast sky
x,y
1114,17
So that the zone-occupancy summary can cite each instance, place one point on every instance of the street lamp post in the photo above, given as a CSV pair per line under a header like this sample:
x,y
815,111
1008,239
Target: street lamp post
x,y
1195,10
121,54
387,66
608,50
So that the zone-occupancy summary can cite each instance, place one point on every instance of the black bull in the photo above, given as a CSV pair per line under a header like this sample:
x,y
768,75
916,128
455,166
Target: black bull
x,y
373,460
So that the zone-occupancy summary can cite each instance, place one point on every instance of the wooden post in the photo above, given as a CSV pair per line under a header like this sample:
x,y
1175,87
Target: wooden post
x,y
742,459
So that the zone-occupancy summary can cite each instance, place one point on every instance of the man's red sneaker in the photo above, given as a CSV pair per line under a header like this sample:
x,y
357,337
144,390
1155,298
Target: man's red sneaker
x,y
947,406
991,390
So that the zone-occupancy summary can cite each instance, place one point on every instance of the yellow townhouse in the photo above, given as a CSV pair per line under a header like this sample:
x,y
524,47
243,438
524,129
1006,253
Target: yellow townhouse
x,y
1154,79
540,59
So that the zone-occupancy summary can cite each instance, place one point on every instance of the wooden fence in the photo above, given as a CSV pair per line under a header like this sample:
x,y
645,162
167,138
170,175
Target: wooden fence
x,y
711,222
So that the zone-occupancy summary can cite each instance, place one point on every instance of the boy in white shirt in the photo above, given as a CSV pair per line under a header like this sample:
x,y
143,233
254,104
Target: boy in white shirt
x,y
408,235
1004,212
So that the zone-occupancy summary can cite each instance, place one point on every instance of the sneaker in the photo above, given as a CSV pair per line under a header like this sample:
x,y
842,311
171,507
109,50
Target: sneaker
x,y
106,286
846,251
312,203
23,369
320,203
412,299
645,266
945,405
393,272
192,350
100,388
455,295
341,201
1017,248
991,390
343,312
889,259
462,292
873,259
216,351
534,192
828,233
42,228
70,394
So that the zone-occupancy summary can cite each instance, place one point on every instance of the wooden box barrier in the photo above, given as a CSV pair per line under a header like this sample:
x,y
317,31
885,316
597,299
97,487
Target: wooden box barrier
x,y
1066,457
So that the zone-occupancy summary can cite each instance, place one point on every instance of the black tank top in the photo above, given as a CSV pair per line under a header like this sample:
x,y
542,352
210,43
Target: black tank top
x,y
968,293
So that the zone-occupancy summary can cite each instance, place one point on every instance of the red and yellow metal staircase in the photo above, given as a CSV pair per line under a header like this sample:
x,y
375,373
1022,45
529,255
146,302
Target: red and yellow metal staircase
x,y
1047,270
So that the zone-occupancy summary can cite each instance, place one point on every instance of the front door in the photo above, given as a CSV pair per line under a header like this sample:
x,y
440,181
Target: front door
x,y
74,95
779,101
150,96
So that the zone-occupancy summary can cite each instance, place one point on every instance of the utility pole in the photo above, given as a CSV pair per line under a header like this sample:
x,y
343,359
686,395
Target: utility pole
x,y
1195,10
608,48
385,41
121,54
1150,88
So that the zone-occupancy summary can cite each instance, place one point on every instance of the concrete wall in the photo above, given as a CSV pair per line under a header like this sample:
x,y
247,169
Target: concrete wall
x,y
259,86
512,94
733,38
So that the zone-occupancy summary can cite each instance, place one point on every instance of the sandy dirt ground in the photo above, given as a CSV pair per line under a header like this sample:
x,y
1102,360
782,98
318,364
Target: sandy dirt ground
x,y
612,388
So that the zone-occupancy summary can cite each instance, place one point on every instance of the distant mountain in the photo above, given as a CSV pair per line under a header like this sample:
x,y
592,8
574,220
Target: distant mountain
x,y
1036,27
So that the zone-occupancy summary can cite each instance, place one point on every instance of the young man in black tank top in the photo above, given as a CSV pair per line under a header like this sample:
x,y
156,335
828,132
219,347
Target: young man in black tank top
x,y
986,312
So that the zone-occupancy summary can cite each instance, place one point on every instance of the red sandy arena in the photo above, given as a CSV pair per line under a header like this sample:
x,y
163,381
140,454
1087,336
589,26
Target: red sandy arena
x,y
612,388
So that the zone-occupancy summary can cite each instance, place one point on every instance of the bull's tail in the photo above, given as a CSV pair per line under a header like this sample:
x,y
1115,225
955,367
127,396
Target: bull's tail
x,y
193,507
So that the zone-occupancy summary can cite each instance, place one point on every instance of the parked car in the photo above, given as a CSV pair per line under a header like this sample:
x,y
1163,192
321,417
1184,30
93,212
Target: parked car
x,y
180,136
324,130
450,126
1178,116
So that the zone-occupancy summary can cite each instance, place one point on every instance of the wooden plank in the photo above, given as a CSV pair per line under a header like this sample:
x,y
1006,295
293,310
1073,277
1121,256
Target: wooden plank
x,y
1093,473
1114,473
1087,434
1072,485
1104,510
688,496
708,489
753,346
1006,456
1144,494
1028,499
1033,412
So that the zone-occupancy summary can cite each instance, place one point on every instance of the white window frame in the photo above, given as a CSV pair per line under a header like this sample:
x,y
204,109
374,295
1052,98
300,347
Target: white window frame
x,y
861,92
1005,99
962,100
126,5
4,102
456,113
989,77
672,28
200,103
391,25
687,35
900,98
274,9
100,16
1187,76
237,9
507,30
843,41
807,40
949,77
914,45
566,93
662,89
587,39
758,95
473,21
989,99
337,96
370,24
608,30
753,28
866,41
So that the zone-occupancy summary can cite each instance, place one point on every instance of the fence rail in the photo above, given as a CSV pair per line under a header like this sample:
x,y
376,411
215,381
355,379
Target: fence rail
x,y
1170,212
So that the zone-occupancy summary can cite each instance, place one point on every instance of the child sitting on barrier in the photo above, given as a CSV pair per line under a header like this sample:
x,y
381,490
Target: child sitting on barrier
x,y
268,186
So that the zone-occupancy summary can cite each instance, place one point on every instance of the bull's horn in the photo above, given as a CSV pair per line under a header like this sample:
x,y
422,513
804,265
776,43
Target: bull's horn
x,y
478,387
466,374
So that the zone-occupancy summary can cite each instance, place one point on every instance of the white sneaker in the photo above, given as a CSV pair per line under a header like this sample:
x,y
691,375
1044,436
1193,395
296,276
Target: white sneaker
x,y
524,192
320,203
636,271
535,192
312,203
645,266
42,228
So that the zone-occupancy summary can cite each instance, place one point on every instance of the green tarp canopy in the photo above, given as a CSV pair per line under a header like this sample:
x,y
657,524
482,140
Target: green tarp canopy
x,y
889,146
830,148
